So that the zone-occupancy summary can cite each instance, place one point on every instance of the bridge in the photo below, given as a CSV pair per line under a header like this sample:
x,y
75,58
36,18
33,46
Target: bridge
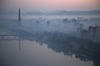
x,y
11,37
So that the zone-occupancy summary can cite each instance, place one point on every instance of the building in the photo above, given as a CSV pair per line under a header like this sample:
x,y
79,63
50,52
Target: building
x,y
98,31
80,27
94,31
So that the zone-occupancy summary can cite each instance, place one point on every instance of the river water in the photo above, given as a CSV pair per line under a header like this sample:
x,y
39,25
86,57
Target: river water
x,y
31,53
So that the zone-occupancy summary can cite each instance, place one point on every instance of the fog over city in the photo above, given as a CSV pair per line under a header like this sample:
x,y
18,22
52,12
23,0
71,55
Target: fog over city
x,y
49,33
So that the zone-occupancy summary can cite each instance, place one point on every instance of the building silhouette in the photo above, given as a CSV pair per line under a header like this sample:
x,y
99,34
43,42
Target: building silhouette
x,y
19,15
94,31
80,28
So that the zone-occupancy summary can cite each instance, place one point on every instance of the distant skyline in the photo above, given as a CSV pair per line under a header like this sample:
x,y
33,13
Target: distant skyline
x,y
49,5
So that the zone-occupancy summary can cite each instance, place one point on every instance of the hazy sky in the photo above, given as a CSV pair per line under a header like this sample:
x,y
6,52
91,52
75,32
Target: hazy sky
x,y
55,4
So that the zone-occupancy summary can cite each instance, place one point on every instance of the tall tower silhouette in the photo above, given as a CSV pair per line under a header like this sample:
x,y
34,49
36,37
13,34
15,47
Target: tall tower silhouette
x,y
19,15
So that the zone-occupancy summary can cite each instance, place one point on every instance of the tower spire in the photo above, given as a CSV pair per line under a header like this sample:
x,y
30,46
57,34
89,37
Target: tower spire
x,y
19,15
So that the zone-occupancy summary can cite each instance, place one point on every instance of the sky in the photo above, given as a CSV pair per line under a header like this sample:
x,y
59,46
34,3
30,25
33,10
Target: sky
x,y
54,4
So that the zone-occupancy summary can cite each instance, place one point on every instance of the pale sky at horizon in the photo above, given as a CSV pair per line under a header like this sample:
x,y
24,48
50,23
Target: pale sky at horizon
x,y
55,4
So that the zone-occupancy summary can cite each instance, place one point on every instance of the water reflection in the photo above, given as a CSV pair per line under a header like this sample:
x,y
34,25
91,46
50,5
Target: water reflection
x,y
84,49
19,44
8,37
70,46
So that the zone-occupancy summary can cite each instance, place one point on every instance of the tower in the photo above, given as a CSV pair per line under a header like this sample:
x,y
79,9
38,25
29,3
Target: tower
x,y
19,15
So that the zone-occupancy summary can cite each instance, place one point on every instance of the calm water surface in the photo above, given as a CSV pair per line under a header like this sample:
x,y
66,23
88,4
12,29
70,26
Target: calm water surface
x,y
31,53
